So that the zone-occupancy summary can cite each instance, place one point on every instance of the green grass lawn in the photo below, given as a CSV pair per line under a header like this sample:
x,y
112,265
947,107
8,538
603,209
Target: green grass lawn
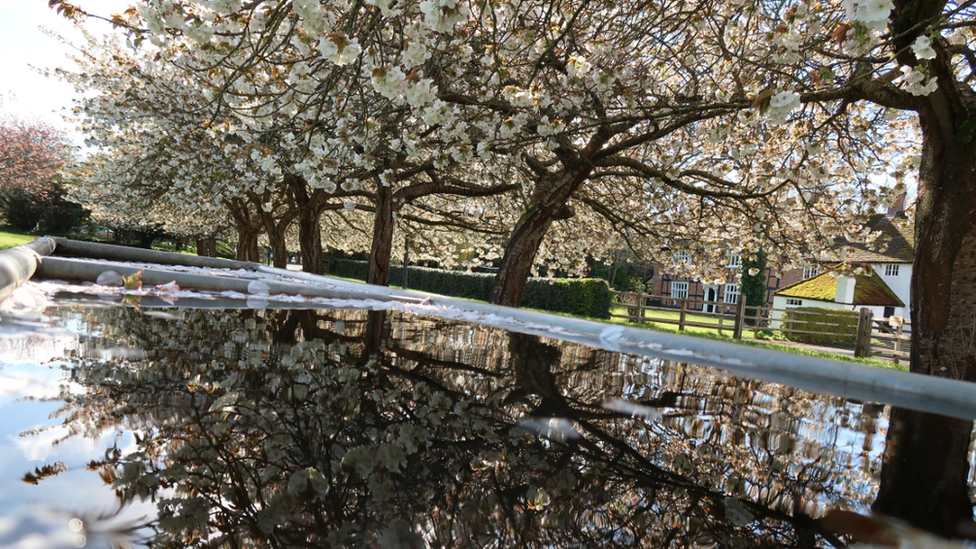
x,y
10,237
749,336
669,320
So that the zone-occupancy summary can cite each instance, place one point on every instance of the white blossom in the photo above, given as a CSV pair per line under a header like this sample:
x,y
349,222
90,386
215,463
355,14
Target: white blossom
x,y
916,82
780,106
923,48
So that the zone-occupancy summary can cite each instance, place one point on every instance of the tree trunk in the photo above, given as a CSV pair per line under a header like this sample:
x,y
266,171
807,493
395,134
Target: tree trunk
x,y
381,249
944,274
279,250
516,265
550,202
309,208
523,246
310,240
247,245
206,246
146,239
248,229
924,478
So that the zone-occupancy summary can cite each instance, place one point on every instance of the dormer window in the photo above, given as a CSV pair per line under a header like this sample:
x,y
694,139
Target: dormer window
x,y
682,258
811,271
735,261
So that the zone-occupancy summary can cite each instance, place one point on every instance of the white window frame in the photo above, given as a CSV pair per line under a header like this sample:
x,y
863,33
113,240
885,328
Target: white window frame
x,y
730,294
735,261
679,289
682,258
793,302
891,269
810,271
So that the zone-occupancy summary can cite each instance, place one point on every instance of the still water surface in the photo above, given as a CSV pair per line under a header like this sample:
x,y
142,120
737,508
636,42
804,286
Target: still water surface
x,y
346,428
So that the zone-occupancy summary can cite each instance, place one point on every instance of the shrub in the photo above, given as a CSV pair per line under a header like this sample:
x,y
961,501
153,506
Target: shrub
x,y
577,296
816,319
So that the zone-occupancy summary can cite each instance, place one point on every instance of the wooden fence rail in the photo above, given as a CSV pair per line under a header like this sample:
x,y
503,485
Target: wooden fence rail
x,y
892,340
762,319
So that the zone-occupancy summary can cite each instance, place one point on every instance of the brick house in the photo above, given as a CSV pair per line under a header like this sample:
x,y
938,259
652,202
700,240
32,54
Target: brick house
x,y
891,259
665,284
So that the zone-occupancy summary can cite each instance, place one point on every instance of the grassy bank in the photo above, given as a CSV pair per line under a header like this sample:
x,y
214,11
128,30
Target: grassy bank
x,y
748,339
10,238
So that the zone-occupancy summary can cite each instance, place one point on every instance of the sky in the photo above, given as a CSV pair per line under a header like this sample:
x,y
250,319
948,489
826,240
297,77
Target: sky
x,y
23,92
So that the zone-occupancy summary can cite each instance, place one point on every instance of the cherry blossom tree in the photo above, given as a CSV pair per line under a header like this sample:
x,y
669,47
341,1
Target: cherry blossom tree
x,y
683,125
32,155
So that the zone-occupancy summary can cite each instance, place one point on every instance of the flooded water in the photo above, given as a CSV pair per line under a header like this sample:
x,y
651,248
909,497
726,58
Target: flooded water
x,y
346,428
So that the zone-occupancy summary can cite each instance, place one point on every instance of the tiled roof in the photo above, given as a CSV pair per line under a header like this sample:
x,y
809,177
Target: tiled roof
x,y
896,244
869,290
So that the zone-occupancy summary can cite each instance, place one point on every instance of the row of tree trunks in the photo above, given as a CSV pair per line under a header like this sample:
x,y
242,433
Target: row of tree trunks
x,y
207,246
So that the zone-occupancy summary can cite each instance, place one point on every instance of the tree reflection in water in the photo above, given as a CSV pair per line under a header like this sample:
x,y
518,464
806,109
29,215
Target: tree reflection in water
x,y
348,428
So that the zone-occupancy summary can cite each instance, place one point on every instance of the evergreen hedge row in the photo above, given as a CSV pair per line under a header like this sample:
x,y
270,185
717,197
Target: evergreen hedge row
x,y
576,296
814,319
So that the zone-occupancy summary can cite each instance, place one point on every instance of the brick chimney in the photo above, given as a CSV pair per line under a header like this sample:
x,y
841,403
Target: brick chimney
x,y
898,205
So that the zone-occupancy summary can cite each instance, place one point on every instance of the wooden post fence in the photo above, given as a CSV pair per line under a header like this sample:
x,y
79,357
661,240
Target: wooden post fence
x,y
740,317
862,342
684,311
898,334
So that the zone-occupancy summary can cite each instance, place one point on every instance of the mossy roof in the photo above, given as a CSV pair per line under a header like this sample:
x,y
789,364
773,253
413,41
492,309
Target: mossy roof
x,y
869,290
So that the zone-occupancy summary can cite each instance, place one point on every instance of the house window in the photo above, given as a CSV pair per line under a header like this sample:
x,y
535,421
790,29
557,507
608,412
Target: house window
x,y
682,258
679,289
891,270
731,294
735,261
811,270
794,302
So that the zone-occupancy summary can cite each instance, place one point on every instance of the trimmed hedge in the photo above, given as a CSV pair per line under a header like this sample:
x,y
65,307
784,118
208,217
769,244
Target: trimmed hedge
x,y
576,296
812,319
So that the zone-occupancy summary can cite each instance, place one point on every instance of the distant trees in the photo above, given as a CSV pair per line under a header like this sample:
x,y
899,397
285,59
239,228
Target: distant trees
x,y
32,155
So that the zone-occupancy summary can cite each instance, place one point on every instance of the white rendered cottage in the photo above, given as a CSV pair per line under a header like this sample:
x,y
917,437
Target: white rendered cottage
x,y
829,291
